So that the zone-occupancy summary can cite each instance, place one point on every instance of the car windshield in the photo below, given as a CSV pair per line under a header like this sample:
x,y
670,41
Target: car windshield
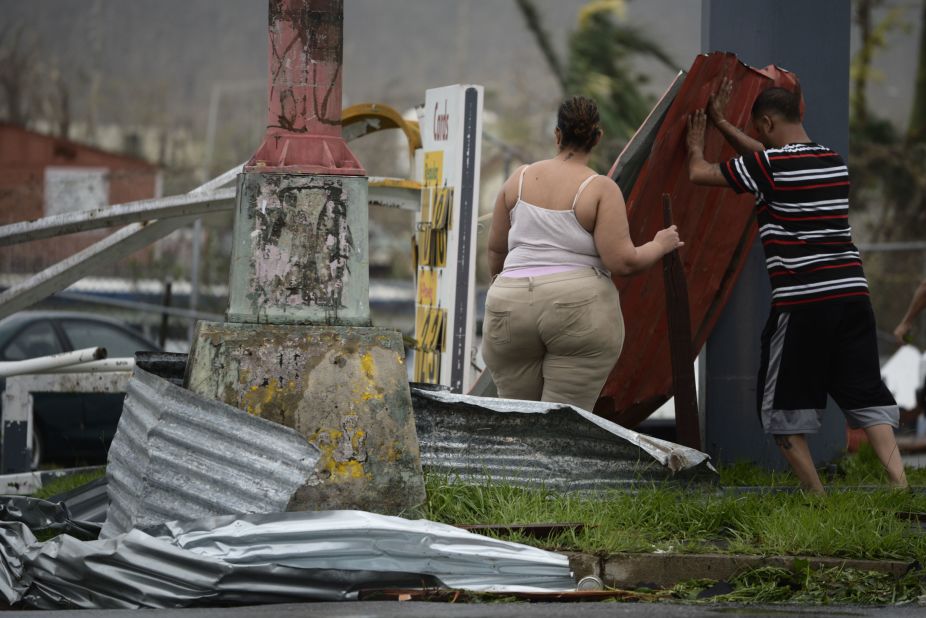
x,y
118,343
37,339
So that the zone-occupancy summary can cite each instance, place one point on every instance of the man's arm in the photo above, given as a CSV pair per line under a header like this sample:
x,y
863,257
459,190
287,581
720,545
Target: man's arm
x,y
700,172
742,143
916,307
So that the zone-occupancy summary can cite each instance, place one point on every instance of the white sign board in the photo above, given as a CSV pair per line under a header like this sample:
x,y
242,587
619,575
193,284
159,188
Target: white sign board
x,y
69,189
445,312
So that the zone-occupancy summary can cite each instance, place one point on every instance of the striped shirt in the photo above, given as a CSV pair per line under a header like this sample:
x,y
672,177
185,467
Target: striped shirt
x,y
802,201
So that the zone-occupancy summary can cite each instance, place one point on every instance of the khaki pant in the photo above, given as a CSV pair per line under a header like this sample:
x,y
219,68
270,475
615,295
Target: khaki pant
x,y
553,338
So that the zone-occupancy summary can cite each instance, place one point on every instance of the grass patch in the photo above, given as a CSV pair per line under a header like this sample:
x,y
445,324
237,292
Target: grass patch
x,y
859,469
863,525
804,585
67,483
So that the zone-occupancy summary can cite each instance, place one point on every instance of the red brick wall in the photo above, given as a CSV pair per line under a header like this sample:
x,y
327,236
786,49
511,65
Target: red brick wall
x,y
24,155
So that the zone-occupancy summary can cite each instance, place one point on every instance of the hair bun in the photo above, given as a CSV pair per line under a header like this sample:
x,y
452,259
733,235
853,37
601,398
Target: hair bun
x,y
579,123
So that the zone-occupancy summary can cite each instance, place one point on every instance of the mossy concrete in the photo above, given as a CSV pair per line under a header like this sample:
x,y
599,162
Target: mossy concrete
x,y
345,389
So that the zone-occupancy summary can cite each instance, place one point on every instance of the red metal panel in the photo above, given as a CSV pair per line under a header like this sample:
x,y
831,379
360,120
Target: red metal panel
x,y
716,224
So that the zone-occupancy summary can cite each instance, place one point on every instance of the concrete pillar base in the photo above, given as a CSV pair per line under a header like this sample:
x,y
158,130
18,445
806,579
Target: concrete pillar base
x,y
344,388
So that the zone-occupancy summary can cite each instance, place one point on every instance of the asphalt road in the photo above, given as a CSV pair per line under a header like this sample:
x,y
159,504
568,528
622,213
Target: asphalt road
x,y
393,609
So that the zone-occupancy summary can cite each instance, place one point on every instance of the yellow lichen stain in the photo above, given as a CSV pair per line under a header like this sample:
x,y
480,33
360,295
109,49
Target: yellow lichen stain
x,y
367,390
366,362
258,398
350,469
335,459
393,453
356,440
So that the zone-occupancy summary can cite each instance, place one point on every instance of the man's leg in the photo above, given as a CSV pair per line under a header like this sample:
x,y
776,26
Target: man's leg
x,y
882,441
795,450
856,385
790,389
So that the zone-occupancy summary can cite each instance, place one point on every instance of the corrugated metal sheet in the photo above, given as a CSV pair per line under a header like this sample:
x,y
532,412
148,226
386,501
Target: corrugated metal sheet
x,y
249,559
716,224
179,456
87,503
531,443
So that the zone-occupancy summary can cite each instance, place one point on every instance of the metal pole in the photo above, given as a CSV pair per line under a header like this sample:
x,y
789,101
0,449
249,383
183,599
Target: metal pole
x,y
162,338
811,39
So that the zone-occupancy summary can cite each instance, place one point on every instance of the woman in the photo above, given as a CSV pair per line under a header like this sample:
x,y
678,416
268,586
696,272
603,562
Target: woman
x,y
553,328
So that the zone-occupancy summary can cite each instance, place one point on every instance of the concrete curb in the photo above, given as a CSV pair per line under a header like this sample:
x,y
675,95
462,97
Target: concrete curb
x,y
666,570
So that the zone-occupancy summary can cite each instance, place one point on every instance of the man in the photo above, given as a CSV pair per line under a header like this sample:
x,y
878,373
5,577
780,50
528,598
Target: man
x,y
820,336
902,332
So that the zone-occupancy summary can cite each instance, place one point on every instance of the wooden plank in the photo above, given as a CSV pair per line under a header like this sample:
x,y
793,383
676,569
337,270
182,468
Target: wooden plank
x,y
680,349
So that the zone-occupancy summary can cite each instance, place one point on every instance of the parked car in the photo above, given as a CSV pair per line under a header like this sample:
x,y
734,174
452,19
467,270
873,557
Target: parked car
x,y
70,428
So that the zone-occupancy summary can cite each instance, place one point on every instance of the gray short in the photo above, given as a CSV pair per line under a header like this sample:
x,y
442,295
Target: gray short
x,y
790,422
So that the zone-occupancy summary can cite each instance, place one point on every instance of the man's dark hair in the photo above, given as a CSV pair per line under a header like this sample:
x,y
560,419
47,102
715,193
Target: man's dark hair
x,y
780,101
578,121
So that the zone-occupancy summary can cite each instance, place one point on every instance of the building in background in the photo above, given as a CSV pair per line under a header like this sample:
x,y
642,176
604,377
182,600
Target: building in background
x,y
42,175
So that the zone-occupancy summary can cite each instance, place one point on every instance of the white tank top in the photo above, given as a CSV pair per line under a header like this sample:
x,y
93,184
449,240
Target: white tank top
x,y
542,237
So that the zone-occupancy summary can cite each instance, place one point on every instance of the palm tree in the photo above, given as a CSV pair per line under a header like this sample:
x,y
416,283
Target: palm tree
x,y
599,65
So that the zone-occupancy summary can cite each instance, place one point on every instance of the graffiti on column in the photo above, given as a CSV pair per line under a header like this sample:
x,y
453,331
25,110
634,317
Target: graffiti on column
x,y
302,246
306,59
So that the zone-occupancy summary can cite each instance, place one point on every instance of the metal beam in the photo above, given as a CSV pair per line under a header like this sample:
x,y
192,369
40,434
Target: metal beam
x,y
195,203
179,312
117,246
220,180
394,193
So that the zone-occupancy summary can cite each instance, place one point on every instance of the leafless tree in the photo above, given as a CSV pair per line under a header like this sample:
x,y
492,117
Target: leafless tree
x,y
18,51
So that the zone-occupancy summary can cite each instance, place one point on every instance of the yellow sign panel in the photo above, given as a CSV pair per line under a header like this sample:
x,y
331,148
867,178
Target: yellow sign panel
x,y
427,287
430,331
434,168
441,205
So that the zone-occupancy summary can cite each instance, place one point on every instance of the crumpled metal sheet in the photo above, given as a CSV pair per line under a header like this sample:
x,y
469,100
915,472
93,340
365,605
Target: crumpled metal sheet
x,y
280,557
177,455
532,443
45,515
87,503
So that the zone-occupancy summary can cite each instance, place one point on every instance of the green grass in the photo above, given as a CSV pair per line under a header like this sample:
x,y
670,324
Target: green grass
x,y
67,483
859,469
850,524
804,585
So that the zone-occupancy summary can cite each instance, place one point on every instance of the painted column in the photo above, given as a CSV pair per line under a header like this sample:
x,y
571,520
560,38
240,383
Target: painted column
x,y
811,39
298,348
300,252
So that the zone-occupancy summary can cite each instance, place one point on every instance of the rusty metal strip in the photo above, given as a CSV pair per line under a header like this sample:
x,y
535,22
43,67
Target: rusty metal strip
x,y
538,531
682,356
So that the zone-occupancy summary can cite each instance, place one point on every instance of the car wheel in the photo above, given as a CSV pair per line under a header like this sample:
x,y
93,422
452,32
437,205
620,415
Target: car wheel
x,y
36,449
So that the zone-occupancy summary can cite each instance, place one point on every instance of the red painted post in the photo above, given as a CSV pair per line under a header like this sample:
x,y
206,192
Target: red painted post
x,y
304,99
